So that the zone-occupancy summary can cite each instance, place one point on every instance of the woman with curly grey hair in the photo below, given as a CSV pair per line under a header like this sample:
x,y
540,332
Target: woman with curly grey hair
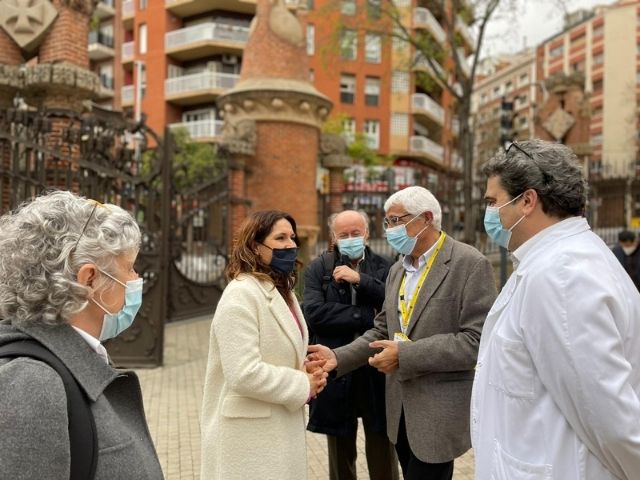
x,y
67,282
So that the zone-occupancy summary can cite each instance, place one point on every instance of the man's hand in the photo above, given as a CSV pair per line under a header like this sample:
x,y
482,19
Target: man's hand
x,y
344,273
387,360
316,353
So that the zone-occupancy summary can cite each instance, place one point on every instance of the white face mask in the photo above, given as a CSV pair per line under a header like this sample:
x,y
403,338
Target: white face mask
x,y
628,250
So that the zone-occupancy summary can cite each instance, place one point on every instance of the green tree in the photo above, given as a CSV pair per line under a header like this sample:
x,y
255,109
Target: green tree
x,y
194,163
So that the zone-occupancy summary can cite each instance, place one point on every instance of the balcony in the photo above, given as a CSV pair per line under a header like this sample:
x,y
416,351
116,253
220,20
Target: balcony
x,y
128,12
189,8
106,87
127,54
105,9
198,87
424,147
455,126
464,63
424,19
128,94
420,63
423,105
100,46
465,32
205,40
201,130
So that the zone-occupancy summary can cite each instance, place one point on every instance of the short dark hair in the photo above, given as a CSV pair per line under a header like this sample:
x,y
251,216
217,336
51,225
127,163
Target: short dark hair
x,y
626,236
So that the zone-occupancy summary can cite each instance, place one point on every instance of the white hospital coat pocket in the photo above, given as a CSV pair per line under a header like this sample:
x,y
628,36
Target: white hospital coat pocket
x,y
506,467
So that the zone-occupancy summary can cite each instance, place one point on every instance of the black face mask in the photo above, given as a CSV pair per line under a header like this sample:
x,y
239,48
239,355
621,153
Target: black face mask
x,y
283,260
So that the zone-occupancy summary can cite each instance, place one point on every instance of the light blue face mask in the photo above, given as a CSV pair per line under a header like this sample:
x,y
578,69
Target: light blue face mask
x,y
493,225
352,247
114,324
400,240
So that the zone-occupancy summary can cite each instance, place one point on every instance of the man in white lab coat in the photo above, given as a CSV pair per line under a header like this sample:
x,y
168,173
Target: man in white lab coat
x,y
557,385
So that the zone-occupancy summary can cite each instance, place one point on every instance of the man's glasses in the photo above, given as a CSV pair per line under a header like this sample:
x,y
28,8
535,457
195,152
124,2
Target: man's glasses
x,y
96,204
518,147
546,178
394,221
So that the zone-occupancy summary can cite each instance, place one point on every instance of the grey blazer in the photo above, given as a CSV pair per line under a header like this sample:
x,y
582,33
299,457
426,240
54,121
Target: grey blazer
x,y
34,440
435,375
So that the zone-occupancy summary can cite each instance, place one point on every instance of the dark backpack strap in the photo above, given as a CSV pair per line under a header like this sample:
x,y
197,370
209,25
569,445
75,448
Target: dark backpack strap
x,y
328,265
82,426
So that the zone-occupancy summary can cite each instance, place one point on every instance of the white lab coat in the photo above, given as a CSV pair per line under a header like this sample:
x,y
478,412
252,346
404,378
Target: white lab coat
x,y
556,391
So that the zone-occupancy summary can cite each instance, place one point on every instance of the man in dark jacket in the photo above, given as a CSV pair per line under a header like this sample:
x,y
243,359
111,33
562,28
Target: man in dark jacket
x,y
344,290
628,253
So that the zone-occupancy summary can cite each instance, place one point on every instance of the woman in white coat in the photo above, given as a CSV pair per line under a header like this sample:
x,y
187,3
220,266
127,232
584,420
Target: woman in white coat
x,y
257,383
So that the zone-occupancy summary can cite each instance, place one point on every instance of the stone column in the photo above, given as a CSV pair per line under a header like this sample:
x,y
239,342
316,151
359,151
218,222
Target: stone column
x,y
334,157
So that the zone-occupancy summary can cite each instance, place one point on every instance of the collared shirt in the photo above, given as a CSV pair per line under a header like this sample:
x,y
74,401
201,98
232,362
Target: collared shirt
x,y
413,273
94,343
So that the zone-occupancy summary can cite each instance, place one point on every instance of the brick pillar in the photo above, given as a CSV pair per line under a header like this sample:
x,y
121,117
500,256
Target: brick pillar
x,y
336,189
238,202
68,37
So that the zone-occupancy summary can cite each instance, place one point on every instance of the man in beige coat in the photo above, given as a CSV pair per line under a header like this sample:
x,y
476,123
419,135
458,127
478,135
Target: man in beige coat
x,y
426,337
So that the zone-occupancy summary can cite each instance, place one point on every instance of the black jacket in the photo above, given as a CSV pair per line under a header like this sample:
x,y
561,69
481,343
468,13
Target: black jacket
x,y
631,263
333,321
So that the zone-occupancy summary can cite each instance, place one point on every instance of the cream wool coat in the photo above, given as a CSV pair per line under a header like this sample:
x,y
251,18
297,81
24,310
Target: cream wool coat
x,y
253,419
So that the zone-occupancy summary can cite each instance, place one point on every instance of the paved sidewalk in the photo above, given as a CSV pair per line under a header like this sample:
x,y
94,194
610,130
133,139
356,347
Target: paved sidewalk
x,y
173,394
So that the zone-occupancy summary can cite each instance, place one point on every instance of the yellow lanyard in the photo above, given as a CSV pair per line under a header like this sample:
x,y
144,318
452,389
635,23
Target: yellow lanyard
x,y
406,312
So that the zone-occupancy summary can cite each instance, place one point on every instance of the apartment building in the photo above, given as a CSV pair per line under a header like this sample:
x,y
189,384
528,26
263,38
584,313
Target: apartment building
x,y
171,59
604,44
510,79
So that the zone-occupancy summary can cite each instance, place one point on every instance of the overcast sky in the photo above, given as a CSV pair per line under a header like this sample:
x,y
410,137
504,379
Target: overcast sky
x,y
538,20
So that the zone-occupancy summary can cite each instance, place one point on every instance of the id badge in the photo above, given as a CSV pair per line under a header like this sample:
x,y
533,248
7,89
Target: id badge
x,y
400,337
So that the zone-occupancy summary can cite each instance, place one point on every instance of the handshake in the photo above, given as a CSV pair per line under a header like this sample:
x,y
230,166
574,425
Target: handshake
x,y
321,360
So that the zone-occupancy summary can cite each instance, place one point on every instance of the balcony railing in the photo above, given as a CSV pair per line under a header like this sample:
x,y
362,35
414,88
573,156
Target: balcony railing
x,y
128,93
420,144
421,102
464,30
199,82
201,129
204,32
127,50
101,38
128,8
421,62
422,16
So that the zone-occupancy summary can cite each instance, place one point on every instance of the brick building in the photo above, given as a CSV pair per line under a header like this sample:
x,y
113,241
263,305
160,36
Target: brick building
x,y
183,54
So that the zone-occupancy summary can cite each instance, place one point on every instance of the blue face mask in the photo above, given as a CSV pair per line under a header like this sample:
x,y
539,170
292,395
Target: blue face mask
x,y
283,260
493,224
400,240
352,247
113,324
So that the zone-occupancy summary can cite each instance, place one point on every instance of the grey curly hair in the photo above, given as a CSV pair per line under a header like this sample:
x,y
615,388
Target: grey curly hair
x,y
551,169
44,243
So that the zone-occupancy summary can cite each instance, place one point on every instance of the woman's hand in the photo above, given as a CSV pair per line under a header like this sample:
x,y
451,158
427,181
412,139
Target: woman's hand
x,y
320,352
317,377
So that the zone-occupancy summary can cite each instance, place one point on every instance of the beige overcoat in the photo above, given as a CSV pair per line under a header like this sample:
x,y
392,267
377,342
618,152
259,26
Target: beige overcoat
x,y
253,417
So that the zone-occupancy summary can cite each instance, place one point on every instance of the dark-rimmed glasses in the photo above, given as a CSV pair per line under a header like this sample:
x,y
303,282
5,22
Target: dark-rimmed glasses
x,y
394,220
96,204
518,147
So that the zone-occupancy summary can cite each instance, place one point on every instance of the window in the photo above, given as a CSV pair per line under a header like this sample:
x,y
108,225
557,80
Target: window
x,y
524,79
522,100
142,5
638,78
556,52
373,48
312,75
372,133
598,31
598,59
508,87
578,66
496,92
349,129
373,8
400,124
349,44
347,88
106,76
309,4
483,98
142,38
399,82
372,91
523,122
311,39
597,86
348,7
596,139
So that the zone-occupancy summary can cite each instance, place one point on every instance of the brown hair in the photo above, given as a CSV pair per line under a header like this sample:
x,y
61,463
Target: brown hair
x,y
244,258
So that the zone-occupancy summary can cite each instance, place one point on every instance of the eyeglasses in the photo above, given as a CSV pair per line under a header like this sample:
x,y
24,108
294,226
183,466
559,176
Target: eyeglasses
x,y
394,221
546,178
518,147
96,204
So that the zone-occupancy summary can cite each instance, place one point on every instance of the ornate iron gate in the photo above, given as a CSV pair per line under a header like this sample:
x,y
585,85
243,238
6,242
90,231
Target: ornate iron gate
x,y
105,157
